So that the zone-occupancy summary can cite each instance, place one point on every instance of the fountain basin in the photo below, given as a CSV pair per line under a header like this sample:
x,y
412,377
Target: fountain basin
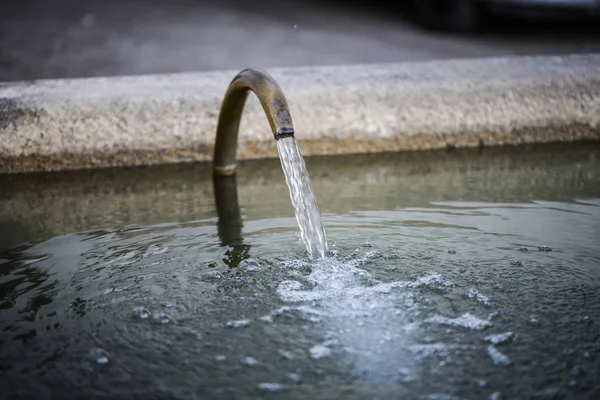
x,y
125,121
464,274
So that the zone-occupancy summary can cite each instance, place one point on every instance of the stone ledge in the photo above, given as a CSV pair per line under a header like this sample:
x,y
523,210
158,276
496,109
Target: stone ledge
x,y
99,122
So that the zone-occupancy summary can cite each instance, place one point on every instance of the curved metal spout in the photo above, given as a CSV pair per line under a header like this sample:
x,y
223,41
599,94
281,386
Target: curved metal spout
x,y
273,102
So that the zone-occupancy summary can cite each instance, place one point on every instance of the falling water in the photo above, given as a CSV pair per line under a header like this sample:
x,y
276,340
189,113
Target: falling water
x,y
303,198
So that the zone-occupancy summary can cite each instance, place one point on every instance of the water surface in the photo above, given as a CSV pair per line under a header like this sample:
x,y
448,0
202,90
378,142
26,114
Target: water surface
x,y
465,274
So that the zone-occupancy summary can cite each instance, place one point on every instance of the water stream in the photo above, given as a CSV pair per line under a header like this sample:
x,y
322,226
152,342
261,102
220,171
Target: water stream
x,y
303,197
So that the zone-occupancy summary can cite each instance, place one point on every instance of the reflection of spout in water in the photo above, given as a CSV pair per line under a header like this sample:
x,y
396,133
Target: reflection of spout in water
x,y
276,108
230,222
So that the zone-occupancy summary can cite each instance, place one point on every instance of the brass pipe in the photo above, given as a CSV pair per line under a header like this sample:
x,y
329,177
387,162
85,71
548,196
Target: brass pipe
x,y
273,102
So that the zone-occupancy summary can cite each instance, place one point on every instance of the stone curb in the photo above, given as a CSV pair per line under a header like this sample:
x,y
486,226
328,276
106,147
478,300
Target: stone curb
x,y
100,122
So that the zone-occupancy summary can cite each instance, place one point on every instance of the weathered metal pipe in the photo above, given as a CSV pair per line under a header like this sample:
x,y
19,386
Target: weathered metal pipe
x,y
273,102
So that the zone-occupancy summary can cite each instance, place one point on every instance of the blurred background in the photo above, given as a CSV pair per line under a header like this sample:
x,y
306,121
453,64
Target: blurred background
x,y
81,38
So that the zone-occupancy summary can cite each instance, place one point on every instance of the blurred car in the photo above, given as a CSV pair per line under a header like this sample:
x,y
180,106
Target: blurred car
x,y
464,15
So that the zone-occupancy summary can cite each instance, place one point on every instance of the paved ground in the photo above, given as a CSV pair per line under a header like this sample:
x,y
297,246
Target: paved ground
x,y
73,38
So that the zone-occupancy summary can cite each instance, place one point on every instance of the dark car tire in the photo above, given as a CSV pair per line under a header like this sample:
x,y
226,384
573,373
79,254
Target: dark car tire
x,y
459,16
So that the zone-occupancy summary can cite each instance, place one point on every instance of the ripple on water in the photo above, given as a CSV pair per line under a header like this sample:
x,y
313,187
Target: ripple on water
x,y
141,312
162,318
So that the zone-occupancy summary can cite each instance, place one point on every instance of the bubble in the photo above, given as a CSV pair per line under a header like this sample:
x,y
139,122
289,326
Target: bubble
x,y
162,318
220,357
99,356
363,274
296,378
496,396
141,312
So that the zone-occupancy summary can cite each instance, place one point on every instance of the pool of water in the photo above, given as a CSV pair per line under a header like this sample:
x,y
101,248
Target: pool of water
x,y
452,275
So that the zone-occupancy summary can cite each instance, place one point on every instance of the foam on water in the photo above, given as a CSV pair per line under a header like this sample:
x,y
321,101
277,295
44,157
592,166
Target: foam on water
x,y
240,323
302,196
441,349
320,351
381,328
465,321
475,294
377,324
370,321
497,357
500,338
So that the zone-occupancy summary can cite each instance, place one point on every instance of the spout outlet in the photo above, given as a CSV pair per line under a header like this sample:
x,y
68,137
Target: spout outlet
x,y
273,102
